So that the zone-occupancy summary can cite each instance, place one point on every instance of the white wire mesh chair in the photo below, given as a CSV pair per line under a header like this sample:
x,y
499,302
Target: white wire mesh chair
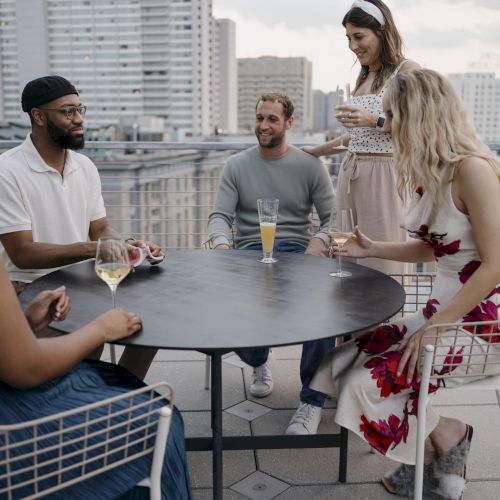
x,y
42,456
463,351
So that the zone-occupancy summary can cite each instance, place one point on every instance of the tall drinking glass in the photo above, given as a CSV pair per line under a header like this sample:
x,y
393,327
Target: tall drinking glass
x,y
268,216
343,100
340,226
112,263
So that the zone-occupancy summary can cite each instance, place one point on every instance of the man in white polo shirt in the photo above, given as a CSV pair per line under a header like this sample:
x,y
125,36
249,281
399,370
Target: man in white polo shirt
x,y
51,207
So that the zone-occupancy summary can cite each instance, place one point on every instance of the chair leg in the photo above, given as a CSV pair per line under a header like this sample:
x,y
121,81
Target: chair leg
x,y
498,397
207,372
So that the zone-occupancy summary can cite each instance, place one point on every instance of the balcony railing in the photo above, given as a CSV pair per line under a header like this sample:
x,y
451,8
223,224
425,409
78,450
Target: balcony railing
x,y
162,192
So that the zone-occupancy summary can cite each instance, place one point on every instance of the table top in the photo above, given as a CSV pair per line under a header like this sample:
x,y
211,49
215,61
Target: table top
x,y
225,300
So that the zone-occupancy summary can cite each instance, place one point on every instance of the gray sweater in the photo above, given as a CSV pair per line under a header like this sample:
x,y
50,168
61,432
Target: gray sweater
x,y
297,179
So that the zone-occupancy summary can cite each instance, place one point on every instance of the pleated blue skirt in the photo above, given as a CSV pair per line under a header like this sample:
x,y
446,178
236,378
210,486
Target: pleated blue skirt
x,y
88,382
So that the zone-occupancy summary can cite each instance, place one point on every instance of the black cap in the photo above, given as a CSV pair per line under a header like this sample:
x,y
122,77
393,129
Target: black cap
x,y
45,89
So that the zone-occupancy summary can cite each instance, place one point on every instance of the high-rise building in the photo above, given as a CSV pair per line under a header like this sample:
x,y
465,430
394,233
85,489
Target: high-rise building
x,y
481,94
226,77
324,110
127,58
291,75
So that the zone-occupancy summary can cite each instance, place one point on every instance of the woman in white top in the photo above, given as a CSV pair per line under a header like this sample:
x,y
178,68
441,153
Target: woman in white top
x,y
367,179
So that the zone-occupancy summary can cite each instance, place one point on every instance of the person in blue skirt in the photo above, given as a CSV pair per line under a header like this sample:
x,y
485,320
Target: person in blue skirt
x,y
43,376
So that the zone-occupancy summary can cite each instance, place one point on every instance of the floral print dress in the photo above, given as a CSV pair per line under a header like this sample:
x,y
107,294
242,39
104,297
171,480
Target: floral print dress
x,y
373,401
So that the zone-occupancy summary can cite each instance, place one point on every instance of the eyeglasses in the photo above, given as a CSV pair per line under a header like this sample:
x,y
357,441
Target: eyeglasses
x,y
68,112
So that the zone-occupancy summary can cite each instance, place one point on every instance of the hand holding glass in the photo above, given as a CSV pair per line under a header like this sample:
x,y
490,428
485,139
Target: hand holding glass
x,y
268,216
340,227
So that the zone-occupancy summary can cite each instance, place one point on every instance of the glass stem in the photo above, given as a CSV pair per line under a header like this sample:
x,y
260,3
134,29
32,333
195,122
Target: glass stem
x,y
113,294
340,260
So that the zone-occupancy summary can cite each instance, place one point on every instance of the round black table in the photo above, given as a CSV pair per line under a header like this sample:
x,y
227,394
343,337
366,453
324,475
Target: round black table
x,y
218,301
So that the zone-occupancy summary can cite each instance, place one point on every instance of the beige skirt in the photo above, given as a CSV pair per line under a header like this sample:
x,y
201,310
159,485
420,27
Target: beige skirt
x,y
367,184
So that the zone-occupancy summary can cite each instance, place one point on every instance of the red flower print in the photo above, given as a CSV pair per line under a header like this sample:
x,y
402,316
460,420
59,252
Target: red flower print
x,y
485,311
420,191
382,434
468,270
430,308
383,369
435,240
380,339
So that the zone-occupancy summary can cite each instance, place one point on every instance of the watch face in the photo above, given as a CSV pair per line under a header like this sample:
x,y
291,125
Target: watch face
x,y
380,122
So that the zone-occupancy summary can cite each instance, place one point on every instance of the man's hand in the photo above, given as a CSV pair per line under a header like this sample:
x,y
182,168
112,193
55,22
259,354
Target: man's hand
x,y
317,248
222,246
155,250
47,306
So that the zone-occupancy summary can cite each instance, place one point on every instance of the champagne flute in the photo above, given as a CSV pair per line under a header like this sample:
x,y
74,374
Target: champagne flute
x,y
343,100
340,102
340,227
268,216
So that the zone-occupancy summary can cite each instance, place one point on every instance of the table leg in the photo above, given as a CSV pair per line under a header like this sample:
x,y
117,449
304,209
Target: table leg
x,y
216,415
344,433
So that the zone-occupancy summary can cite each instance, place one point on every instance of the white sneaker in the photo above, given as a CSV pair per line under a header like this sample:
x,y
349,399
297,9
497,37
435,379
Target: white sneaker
x,y
262,381
305,421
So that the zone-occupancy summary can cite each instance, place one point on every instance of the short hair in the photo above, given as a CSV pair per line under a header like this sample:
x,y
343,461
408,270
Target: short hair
x,y
283,99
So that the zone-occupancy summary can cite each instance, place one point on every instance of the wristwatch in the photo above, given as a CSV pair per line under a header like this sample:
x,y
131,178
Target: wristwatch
x,y
380,122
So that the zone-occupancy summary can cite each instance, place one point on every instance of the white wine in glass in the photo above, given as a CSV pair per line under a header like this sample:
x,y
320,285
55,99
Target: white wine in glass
x,y
341,226
112,263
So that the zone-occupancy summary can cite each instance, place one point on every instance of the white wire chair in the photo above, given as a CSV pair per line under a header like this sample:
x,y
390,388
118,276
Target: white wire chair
x,y
42,456
465,356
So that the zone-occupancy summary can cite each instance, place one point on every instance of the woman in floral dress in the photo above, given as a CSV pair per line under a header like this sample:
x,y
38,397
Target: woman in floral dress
x,y
454,219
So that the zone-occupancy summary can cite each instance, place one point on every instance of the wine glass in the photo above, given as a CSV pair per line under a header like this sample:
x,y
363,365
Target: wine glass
x,y
112,263
340,227
268,216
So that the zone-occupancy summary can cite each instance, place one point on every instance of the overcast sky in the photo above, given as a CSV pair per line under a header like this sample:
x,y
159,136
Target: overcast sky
x,y
446,35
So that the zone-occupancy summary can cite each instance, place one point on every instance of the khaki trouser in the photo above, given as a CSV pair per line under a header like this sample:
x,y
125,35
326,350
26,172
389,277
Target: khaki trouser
x,y
135,359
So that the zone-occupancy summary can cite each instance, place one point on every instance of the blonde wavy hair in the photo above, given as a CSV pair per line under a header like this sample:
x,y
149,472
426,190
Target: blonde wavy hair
x,y
431,132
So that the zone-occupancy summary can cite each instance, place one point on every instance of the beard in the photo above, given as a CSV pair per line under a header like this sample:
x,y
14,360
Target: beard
x,y
275,141
63,138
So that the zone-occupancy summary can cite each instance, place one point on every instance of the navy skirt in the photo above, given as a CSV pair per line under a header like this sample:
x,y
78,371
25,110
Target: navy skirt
x,y
88,382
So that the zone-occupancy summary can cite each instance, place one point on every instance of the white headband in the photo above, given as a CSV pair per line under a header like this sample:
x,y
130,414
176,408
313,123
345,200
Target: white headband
x,y
371,9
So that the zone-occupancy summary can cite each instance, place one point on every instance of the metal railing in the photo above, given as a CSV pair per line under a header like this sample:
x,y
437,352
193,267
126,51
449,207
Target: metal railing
x,y
162,192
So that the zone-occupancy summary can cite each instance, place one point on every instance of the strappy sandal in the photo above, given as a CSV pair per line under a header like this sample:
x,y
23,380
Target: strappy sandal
x,y
401,480
451,469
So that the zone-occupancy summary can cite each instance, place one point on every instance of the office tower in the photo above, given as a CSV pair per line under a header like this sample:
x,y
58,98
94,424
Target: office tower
x,y
127,58
226,77
324,110
291,75
481,94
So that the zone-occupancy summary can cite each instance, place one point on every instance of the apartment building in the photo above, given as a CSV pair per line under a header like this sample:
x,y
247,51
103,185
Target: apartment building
x,y
291,75
481,93
128,58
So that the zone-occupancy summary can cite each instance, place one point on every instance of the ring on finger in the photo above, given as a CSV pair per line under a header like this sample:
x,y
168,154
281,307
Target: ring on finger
x,y
349,115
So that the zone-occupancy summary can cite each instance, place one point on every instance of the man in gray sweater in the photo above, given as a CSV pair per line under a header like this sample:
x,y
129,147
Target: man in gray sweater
x,y
276,169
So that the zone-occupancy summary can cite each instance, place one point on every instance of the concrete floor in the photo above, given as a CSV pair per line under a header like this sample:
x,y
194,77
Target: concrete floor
x,y
306,473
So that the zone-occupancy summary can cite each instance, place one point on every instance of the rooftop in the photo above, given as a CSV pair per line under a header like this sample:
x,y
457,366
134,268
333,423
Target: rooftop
x,y
308,473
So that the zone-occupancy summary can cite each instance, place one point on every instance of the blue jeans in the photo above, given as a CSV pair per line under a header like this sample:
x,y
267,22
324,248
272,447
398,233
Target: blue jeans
x,y
312,352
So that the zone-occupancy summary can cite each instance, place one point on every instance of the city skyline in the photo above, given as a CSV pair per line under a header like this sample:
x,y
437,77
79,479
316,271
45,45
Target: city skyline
x,y
286,28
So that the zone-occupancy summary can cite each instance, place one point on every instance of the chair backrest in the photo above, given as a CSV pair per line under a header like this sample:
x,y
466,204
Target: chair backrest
x,y
418,288
45,455
469,350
